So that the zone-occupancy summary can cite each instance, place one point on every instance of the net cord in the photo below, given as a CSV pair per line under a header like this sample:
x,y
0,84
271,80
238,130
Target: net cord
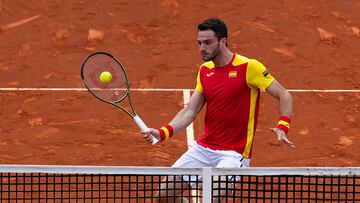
x,y
257,171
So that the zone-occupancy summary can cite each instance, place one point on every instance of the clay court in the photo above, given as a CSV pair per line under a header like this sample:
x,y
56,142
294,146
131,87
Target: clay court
x,y
306,45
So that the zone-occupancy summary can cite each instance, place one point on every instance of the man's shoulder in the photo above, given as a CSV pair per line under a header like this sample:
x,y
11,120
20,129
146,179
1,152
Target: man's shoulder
x,y
208,65
252,63
239,60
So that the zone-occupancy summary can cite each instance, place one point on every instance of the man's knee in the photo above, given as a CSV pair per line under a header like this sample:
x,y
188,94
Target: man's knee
x,y
170,190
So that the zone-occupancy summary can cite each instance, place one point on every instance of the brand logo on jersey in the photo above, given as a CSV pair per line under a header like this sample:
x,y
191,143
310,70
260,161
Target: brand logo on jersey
x,y
266,73
210,74
232,74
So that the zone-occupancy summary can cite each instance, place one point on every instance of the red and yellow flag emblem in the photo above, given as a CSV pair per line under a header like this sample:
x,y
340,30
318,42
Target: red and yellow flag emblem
x,y
232,74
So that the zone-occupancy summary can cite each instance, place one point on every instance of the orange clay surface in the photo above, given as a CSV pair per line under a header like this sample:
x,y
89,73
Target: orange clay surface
x,y
305,45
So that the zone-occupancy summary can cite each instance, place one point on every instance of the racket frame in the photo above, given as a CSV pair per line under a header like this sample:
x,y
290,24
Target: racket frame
x,y
135,116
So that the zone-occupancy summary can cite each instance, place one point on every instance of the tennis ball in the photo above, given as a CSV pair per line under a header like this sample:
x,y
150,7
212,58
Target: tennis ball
x,y
105,77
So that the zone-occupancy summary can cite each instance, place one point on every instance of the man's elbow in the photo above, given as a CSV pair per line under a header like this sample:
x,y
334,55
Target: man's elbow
x,y
286,96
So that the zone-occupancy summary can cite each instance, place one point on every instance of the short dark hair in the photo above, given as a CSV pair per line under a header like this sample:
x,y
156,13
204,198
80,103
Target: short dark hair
x,y
215,24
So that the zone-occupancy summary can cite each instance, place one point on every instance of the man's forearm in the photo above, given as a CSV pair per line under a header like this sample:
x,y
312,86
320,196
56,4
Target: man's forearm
x,y
182,119
285,100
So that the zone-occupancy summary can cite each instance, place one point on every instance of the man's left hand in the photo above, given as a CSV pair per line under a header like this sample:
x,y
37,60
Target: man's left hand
x,y
282,136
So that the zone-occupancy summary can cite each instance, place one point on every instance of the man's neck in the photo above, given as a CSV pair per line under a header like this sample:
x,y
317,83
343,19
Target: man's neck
x,y
223,58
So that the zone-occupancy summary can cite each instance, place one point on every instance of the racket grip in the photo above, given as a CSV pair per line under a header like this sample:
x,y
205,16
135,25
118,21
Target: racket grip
x,y
143,127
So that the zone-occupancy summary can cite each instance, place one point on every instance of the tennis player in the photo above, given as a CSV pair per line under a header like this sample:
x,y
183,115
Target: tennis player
x,y
230,85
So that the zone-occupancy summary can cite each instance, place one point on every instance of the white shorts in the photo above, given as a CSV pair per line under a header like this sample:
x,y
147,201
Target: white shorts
x,y
199,157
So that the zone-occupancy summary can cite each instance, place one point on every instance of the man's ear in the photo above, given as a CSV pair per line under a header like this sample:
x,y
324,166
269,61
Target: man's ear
x,y
223,41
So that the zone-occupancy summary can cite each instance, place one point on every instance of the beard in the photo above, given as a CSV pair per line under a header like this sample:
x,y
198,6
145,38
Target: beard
x,y
210,56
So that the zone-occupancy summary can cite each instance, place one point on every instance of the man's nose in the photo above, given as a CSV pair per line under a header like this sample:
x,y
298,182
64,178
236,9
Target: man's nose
x,y
202,47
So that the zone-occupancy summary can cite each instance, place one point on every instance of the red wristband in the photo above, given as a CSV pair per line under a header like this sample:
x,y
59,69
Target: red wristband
x,y
166,132
162,134
284,123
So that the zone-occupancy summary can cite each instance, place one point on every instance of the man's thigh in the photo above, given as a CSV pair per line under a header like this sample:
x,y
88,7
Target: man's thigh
x,y
231,159
195,157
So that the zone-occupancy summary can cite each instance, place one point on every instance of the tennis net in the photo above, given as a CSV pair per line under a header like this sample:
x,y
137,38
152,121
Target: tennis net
x,y
44,183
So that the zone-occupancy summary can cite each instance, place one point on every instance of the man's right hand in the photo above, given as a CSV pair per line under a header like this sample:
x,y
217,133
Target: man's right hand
x,y
150,133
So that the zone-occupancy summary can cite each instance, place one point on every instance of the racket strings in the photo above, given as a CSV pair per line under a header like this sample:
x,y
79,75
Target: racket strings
x,y
113,91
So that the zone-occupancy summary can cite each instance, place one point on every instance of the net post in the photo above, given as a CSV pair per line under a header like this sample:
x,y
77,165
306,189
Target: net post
x,y
207,184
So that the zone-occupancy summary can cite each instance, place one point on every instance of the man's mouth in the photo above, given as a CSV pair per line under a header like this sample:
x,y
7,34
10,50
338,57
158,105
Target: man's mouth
x,y
204,54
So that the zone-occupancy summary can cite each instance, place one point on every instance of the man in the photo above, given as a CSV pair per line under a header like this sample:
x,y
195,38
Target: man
x,y
230,84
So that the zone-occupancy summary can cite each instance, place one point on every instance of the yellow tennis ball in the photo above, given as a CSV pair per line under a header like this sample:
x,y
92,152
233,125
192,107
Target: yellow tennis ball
x,y
105,77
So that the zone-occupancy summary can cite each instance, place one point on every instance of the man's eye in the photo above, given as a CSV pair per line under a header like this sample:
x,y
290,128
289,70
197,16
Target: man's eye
x,y
207,42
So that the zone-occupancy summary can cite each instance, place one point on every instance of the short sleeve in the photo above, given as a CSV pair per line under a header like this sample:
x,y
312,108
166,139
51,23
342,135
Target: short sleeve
x,y
257,76
199,86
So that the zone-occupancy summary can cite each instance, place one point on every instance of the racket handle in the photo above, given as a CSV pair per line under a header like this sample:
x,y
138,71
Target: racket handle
x,y
143,127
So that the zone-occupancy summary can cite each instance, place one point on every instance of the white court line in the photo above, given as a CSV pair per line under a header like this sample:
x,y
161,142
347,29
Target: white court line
x,y
326,91
186,94
190,128
189,134
167,90
84,89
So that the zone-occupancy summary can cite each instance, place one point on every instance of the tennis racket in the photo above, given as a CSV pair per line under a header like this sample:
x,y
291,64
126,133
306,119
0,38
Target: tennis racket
x,y
114,91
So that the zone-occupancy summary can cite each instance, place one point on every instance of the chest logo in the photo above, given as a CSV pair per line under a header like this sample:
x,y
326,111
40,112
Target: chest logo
x,y
232,74
209,74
